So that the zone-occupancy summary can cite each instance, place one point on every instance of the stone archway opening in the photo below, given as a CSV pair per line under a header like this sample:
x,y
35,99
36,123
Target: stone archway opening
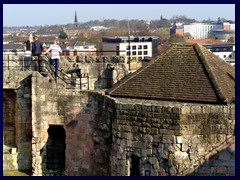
x,y
55,148
135,170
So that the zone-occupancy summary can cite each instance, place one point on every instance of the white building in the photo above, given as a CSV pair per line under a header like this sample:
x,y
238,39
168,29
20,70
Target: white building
x,y
224,51
79,48
201,30
137,48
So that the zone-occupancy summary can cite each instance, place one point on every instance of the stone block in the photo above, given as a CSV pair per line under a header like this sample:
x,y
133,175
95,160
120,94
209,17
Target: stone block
x,y
170,139
146,152
152,131
185,110
206,109
180,139
196,109
184,147
153,161
176,110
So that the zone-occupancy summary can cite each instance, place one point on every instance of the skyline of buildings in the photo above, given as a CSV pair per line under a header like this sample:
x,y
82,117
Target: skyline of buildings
x,y
87,12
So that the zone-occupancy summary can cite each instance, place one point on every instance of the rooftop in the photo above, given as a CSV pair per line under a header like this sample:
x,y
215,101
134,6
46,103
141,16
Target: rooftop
x,y
183,73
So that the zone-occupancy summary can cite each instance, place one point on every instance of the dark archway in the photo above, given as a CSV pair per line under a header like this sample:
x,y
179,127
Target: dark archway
x,y
135,170
55,147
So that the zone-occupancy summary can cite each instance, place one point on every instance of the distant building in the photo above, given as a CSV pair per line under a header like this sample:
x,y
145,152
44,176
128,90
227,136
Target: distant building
x,y
74,29
98,28
201,30
223,35
224,51
136,47
76,23
14,49
79,49
221,30
176,29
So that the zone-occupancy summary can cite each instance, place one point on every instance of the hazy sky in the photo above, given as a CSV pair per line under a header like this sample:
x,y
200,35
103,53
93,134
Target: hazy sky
x,y
51,14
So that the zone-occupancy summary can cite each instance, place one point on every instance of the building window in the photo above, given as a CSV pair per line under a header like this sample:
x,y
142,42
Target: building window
x,y
134,53
139,46
145,52
128,53
134,47
139,52
224,56
117,49
145,47
230,56
128,47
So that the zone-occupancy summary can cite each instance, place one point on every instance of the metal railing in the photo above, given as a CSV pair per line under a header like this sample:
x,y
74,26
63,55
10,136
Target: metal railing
x,y
72,79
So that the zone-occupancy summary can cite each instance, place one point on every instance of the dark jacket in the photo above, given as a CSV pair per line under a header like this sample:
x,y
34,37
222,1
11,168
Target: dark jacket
x,y
37,48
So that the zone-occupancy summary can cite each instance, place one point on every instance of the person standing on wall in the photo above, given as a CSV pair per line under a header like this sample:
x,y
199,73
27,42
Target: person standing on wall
x,y
55,50
37,47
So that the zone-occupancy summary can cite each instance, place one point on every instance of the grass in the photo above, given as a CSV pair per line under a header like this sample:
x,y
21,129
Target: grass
x,y
14,173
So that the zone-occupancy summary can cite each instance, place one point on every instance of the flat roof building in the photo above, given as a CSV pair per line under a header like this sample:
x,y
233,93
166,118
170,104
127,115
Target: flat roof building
x,y
137,48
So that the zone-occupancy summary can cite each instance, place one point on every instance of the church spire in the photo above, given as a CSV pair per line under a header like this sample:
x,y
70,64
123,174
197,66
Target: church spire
x,y
75,19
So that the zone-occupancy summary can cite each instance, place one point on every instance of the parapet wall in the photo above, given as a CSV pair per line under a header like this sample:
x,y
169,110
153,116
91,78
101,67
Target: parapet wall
x,y
101,72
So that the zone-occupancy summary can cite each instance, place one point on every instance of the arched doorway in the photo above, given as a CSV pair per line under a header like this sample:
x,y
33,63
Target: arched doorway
x,y
55,147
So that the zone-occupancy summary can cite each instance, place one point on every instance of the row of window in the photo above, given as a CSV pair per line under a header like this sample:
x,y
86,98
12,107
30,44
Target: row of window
x,y
139,53
134,47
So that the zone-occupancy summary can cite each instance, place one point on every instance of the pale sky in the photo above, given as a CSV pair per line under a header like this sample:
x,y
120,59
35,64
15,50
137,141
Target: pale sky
x,y
52,14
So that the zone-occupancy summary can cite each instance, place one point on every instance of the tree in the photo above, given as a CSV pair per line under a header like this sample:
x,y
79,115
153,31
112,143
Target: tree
x,y
62,35
175,38
231,40
187,36
162,33
143,30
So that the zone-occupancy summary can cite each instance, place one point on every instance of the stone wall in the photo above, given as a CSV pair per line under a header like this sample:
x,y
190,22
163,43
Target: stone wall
x,y
17,88
110,136
98,73
103,72
81,116
168,139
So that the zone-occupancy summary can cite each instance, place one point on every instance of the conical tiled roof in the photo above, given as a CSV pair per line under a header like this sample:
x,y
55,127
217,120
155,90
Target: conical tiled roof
x,y
184,73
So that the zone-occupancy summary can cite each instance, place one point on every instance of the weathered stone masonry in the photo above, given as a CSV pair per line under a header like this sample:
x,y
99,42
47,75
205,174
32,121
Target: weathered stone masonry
x,y
87,132
51,130
172,139
110,136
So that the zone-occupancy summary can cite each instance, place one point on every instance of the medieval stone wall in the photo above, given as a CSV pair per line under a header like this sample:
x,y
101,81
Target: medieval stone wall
x,y
102,72
81,116
110,136
98,73
165,139
17,109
